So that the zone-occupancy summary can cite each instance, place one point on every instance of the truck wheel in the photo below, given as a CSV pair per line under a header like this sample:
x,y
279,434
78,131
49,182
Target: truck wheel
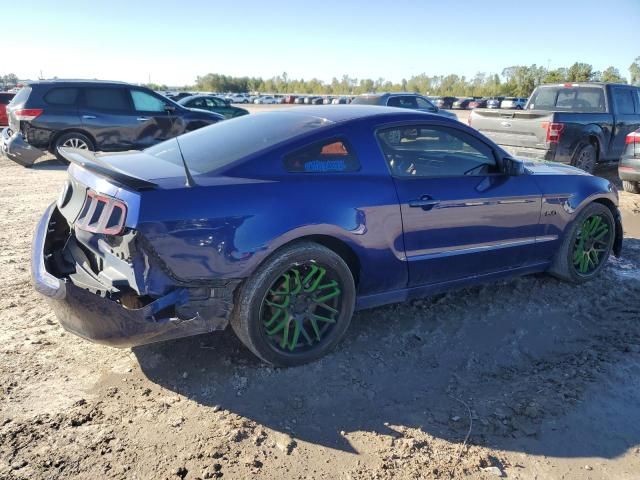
x,y
585,158
296,307
71,140
586,246
631,187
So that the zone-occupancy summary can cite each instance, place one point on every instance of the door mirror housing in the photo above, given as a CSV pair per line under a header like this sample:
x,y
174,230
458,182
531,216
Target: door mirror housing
x,y
169,108
512,167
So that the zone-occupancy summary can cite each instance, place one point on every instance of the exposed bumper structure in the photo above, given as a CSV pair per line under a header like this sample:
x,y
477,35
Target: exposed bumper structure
x,y
106,320
14,146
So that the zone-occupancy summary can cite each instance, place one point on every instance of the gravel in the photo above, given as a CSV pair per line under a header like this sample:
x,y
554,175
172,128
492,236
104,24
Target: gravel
x,y
550,372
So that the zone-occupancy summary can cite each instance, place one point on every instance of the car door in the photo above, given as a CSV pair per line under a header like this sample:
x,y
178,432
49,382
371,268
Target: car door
x,y
107,114
626,118
156,118
425,105
461,216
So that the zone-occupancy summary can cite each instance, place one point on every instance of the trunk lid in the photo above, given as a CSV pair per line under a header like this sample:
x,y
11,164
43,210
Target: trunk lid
x,y
514,128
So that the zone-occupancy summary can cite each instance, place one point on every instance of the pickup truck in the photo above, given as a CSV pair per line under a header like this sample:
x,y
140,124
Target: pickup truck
x,y
575,123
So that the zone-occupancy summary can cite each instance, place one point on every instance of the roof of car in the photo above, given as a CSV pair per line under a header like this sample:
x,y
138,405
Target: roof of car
x,y
343,113
382,94
77,82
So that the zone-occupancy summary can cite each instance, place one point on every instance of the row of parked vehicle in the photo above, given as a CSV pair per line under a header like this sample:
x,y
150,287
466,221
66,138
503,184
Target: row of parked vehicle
x,y
469,103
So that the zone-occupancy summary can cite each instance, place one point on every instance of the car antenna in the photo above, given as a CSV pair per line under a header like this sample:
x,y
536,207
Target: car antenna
x,y
190,181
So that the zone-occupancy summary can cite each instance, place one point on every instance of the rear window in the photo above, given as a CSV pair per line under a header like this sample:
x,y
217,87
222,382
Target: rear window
x,y
574,99
366,100
328,156
114,99
5,98
61,96
210,148
21,96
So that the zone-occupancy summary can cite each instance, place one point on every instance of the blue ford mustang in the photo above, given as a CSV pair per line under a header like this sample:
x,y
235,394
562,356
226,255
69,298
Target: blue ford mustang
x,y
283,223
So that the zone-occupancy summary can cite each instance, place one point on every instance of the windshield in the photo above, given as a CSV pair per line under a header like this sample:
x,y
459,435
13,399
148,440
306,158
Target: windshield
x,y
575,99
366,100
210,148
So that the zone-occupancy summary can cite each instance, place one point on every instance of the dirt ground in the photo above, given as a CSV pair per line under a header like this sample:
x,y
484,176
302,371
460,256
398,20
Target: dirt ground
x,y
542,376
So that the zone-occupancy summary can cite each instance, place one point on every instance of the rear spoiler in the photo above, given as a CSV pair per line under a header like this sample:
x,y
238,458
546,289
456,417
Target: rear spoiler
x,y
90,161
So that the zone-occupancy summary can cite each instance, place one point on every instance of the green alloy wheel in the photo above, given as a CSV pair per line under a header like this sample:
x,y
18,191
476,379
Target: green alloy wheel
x,y
587,244
297,306
592,244
301,307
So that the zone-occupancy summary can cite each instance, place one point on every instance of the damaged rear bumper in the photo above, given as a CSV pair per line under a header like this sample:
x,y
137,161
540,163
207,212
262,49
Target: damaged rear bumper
x,y
14,146
105,320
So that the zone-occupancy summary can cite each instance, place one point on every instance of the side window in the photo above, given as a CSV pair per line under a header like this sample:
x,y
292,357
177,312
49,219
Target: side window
x,y
327,156
61,96
197,103
424,104
433,151
104,98
623,99
145,102
402,102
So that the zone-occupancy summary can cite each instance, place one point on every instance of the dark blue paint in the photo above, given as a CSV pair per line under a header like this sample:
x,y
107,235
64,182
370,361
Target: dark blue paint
x,y
482,228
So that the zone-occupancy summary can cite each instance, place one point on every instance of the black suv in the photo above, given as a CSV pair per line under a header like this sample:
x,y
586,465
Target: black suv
x,y
93,115
412,101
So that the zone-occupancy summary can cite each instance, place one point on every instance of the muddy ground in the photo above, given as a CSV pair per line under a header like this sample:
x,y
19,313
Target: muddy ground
x,y
542,376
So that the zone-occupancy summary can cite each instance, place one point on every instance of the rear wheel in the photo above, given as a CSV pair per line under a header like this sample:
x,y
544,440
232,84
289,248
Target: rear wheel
x,y
586,246
631,187
296,307
585,158
72,140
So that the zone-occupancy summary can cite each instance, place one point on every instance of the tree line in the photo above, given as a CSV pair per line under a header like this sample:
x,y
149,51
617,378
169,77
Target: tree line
x,y
519,81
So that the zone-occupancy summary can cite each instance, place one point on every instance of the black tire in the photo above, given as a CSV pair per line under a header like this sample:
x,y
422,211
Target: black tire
x,y
70,139
585,158
247,318
631,187
563,265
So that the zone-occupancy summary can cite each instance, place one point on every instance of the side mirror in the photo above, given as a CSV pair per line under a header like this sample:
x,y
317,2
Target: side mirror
x,y
512,167
169,108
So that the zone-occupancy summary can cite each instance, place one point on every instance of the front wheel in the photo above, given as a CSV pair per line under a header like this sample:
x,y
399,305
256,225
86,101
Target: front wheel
x,y
297,306
586,246
631,187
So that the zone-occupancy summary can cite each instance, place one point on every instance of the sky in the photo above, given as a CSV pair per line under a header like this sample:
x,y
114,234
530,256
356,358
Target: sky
x,y
171,42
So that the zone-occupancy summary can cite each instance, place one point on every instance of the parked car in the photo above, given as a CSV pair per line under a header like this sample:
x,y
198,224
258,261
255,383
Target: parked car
x,y
213,104
92,115
411,101
445,102
462,103
478,103
341,101
327,100
181,247
5,98
515,103
575,123
299,100
290,98
265,100
177,96
317,101
238,98
494,102
629,168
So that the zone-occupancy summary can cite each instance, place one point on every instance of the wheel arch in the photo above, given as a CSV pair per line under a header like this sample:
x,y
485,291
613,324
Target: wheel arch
x,y
57,135
617,243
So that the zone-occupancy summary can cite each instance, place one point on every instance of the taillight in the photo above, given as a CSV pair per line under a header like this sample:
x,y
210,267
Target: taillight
x,y
102,214
554,131
633,138
28,113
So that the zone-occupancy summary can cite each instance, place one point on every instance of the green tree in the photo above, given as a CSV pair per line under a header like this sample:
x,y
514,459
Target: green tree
x,y
580,72
612,75
634,72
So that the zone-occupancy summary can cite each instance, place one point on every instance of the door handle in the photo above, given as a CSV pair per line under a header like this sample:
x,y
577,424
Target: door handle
x,y
142,119
425,202
89,117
